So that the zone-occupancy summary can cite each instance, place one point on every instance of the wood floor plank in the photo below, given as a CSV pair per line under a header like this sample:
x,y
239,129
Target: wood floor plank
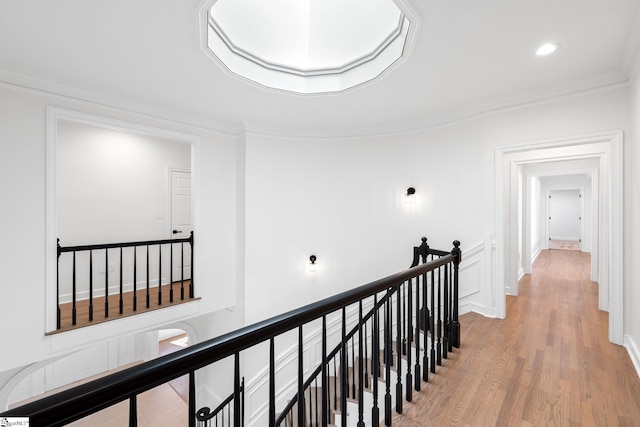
x,y
548,363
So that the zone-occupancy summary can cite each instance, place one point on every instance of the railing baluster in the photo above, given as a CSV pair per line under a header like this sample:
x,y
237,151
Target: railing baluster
x,y
58,313
360,370
182,271
445,321
300,379
325,385
171,272
121,306
343,371
455,324
73,296
388,359
106,283
272,384
353,369
375,367
236,390
399,349
90,286
432,325
416,372
409,333
425,322
191,288
366,358
148,295
135,278
133,411
159,274
439,309
192,398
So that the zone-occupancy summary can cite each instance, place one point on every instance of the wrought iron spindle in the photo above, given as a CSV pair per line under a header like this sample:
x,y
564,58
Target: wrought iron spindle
x,y
325,380
133,411
409,334
388,359
90,286
360,369
106,283
301,415
171,272
148,295
159,274
399,329
135,278
272,383
343,371
73,308
182,271
121,301
439,310
375,366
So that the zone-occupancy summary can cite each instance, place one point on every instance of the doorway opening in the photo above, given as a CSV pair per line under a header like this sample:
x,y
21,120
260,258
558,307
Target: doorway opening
x,y
606,148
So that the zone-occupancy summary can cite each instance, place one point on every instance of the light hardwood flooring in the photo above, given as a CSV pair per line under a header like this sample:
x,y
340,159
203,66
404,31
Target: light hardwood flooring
x,y
82,306
549,363
565,245
165,405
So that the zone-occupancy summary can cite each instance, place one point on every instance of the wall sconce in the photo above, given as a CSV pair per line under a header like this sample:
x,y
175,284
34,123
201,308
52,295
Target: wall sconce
x,y
313,266
410,198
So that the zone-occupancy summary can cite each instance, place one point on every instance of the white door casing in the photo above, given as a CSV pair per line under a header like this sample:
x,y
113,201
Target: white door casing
x,y
608,149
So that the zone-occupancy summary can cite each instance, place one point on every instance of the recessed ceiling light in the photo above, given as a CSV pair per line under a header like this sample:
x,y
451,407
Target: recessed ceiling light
x,y
547,48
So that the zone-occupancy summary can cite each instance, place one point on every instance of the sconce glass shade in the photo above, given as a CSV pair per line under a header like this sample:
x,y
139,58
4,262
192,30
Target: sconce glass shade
x,y
410,197
313,265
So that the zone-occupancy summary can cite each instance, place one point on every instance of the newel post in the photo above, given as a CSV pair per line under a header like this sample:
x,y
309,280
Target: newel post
x,y
59,250
455,324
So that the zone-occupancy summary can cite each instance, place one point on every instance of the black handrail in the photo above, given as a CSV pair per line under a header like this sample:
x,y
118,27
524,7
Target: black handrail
x,y
83,400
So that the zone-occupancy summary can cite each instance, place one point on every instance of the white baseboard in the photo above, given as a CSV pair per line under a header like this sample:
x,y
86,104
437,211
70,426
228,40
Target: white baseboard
x,y
634,352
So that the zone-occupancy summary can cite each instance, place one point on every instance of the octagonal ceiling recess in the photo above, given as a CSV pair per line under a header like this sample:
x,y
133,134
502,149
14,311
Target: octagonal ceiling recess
x,y
307,46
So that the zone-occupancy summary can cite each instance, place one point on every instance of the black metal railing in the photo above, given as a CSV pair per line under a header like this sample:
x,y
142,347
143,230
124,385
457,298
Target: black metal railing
x,y
223,416
134,259
439,321
361,362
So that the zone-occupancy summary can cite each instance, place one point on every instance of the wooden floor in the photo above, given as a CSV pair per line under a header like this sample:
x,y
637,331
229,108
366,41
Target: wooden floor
x,y
165,405
566,245
549,363
82,306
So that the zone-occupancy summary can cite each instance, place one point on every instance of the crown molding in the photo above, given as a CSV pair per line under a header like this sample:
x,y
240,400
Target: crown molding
x,y
453,117
41,86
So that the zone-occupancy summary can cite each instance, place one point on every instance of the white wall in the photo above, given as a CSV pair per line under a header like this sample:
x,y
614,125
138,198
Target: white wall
x,y
632,228
112,186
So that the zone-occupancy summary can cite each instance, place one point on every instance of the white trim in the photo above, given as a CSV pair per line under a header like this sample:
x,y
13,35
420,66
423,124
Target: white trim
x,y
608,148
634,352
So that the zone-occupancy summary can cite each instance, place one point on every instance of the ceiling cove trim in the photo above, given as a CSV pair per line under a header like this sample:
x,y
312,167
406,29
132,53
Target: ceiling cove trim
x,y
447,119
410,24
402,24
40,86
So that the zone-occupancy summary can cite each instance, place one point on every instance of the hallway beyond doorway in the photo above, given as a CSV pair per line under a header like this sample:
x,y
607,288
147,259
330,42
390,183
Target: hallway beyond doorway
x,y
548,363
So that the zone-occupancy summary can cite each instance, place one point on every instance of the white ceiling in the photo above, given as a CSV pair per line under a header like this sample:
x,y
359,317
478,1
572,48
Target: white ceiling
x,y
469,57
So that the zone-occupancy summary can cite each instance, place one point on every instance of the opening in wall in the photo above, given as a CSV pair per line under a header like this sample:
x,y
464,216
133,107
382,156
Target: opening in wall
x,y
113,182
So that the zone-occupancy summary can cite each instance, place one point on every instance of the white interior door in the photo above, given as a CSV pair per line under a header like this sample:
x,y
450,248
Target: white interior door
x,y
181,222
565,215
